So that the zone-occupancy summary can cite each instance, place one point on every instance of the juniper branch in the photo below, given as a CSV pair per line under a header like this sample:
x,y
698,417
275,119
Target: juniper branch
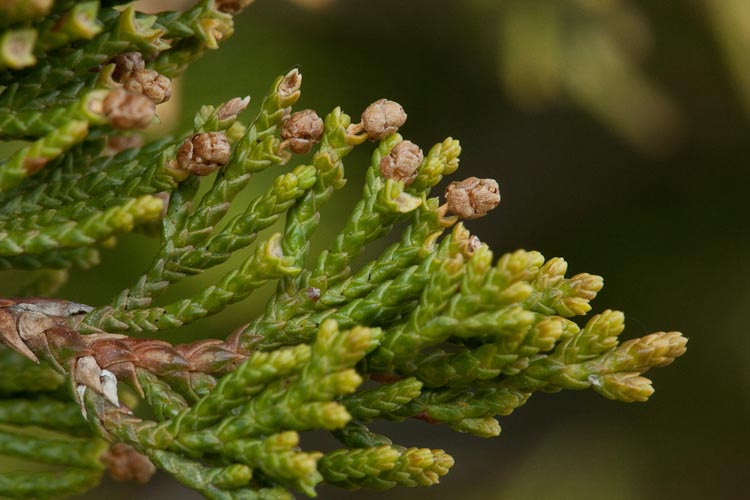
x,y
444,332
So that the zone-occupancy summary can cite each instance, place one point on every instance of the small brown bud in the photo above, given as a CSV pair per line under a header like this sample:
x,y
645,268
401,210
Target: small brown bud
x,y
204,153
126,464
403,162
126,64
232,6
472,198
127,110
232,108
148,82
302,130
34,164
383,118
290,85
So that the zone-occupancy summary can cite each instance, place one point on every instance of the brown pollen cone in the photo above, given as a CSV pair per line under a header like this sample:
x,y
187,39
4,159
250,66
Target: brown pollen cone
x,y
128,110
204,153
148,82
472,198
126,64
383,118
402,163
301,131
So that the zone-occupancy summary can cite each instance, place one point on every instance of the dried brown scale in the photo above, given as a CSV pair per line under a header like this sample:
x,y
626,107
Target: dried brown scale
x,y
232,342
92,360
122,356
124,463
150,83
64,344
128,110
126,64
158,357
382,119
472,198
88,373
116,356
37,329
402,163
301,131
209,355
204,153
31,324
10,337
162,358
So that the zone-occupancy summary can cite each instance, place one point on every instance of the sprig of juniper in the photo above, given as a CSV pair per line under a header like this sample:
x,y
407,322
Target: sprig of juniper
x,y
443,331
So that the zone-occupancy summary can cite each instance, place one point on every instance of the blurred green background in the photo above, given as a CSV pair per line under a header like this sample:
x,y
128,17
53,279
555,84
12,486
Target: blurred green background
x,y
620,135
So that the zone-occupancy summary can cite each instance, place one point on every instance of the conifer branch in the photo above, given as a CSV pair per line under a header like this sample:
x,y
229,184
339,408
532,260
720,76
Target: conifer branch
x,y
442,330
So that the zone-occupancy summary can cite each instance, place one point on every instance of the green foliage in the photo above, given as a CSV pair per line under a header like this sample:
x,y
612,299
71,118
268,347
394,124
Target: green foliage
x,y
434,328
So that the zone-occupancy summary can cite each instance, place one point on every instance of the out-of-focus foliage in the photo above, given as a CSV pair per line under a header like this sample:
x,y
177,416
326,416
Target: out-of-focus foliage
x,y
731,24
591,53
596,54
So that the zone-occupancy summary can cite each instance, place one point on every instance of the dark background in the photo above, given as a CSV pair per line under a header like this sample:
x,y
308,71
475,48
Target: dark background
x,y
659,209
